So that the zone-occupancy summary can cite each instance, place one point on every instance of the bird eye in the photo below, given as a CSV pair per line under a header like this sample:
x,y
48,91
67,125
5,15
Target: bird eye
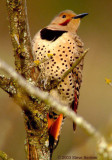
x,y
64,16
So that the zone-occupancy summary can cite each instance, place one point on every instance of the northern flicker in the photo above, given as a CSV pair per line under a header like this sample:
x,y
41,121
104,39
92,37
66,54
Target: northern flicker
x,y
56,47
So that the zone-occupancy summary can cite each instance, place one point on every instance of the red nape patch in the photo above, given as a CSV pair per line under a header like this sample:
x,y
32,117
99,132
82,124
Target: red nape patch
x,y
65,23
55,128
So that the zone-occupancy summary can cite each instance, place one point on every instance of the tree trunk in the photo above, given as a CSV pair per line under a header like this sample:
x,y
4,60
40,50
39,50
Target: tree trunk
x,y
35,112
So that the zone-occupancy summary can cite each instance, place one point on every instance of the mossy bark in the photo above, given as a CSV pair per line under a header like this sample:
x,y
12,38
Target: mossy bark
x,y
35,112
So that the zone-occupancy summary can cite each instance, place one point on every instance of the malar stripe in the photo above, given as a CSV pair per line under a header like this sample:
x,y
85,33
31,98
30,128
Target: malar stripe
x,y
65,23
50,35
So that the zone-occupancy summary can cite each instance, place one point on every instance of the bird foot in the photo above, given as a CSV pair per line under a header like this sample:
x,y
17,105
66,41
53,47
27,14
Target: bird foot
x,y
44,82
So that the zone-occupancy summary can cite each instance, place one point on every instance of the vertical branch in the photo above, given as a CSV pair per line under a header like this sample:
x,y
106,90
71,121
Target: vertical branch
x,y
20,37
35,113
36,123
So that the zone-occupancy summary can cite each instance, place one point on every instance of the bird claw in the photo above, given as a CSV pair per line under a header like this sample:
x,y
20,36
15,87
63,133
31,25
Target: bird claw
x,y
44,81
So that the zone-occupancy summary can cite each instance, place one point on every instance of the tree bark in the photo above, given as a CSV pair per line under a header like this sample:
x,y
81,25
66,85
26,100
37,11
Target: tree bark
x,y
35,112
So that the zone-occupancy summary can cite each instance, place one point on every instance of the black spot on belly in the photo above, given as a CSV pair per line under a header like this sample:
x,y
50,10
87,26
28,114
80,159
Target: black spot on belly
x,y
50,35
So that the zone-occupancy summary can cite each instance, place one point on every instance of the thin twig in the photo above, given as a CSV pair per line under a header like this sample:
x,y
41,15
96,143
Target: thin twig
x,y
74,64
7,85
44,96
56,82
108,81
51,102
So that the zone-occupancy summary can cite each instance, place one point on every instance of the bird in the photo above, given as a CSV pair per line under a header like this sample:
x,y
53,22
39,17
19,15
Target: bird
x,y
55,48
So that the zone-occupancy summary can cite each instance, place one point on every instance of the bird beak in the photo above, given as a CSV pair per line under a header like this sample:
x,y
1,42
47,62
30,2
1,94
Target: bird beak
x,y
80,15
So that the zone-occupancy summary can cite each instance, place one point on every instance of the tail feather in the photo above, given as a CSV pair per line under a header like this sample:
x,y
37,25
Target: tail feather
x,y
54,127
74,108
76,99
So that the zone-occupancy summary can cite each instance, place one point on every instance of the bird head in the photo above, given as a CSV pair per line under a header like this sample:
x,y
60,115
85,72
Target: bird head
x,y
67,20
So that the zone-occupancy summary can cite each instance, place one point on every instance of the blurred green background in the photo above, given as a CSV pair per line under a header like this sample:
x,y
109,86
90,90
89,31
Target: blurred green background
x,y
95,96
